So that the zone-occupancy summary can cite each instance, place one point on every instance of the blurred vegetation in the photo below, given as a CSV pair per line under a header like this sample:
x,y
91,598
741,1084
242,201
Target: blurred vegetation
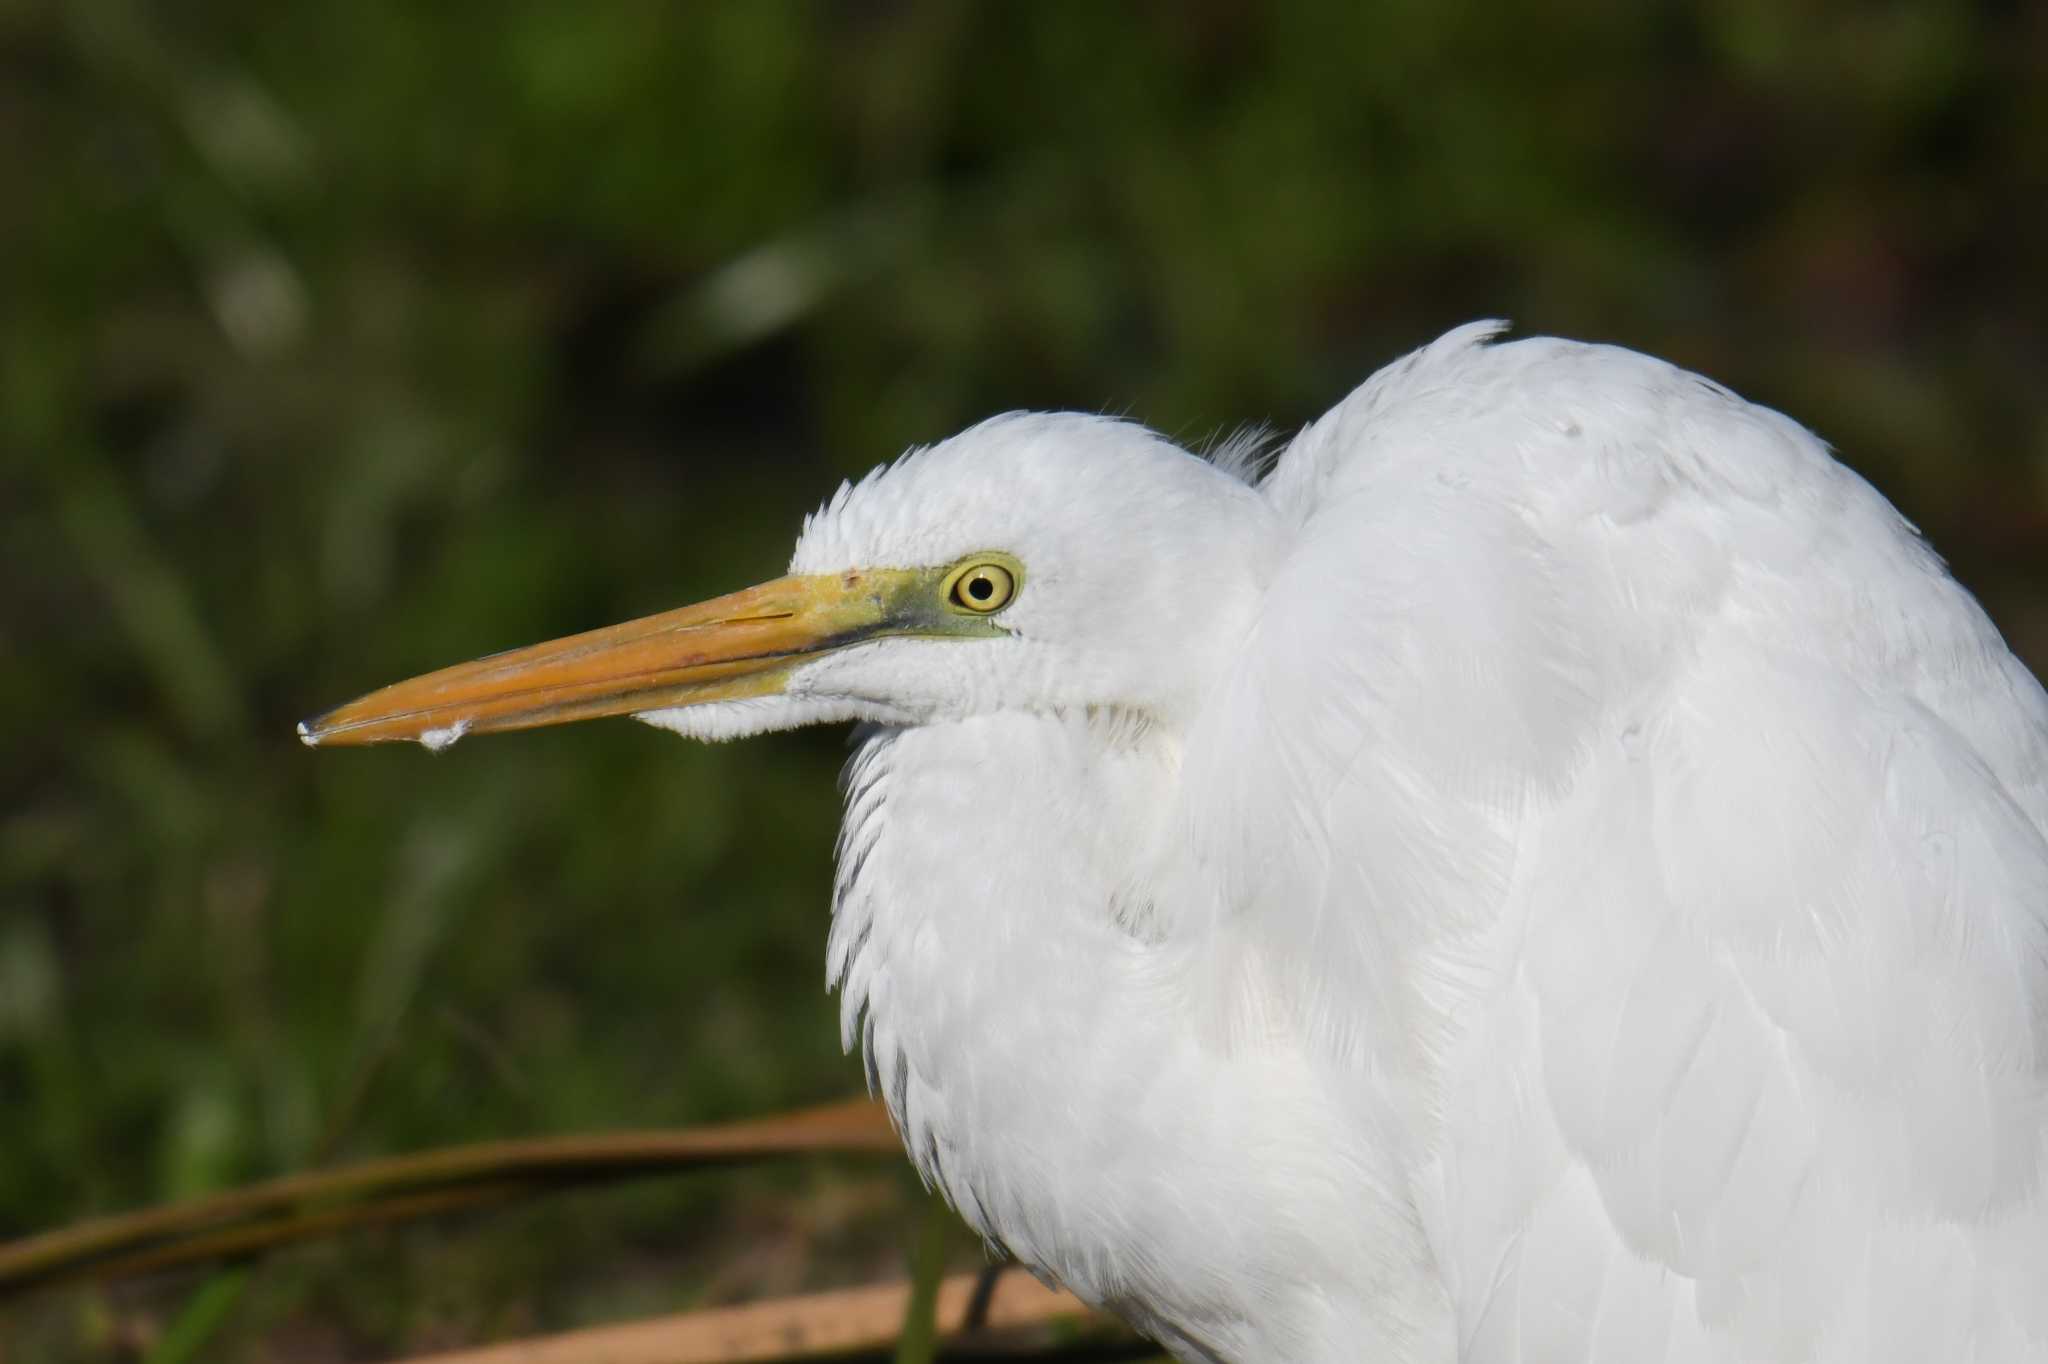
x,y
341,341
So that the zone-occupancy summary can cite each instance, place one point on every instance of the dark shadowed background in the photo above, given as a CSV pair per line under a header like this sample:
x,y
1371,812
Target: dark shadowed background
x,y
342,341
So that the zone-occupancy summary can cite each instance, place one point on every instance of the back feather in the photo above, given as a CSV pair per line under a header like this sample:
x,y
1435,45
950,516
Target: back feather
x,y
1685,819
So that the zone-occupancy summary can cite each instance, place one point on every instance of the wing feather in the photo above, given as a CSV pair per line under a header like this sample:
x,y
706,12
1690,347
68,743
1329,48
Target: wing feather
x,y
1615,778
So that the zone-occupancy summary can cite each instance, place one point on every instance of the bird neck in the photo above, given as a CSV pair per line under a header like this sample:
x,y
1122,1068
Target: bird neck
x,y
1012,957
992,916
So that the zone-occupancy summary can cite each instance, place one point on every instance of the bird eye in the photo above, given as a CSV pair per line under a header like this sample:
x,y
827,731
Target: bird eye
x,y
982,588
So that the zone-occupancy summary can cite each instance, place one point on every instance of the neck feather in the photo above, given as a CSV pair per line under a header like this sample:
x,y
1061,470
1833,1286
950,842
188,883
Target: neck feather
x,y
1020,974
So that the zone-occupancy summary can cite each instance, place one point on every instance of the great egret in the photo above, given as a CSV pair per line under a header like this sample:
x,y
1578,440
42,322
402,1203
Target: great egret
x,y
1554,870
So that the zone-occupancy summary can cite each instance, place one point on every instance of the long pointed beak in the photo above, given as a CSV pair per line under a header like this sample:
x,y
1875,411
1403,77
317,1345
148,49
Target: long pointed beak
x,y
740,645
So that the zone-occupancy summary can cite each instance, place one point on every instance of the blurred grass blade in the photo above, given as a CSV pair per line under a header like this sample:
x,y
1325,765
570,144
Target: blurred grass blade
x,y
299,1206
775,284
202,1317
148,597
919,1337
244,1239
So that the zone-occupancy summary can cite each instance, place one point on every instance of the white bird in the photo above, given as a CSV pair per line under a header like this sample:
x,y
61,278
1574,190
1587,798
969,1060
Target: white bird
x,y
1553,871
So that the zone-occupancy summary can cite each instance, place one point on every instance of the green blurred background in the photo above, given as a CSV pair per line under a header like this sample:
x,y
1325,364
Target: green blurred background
x,y
341,341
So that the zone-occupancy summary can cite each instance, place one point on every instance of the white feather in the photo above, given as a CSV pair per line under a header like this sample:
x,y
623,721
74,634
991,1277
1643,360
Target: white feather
x,y
1555,872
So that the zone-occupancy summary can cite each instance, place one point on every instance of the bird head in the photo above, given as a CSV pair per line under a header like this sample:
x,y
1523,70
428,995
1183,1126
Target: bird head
x,y
1039,562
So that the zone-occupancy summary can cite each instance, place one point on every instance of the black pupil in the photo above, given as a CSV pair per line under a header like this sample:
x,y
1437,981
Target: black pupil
x,y
981,589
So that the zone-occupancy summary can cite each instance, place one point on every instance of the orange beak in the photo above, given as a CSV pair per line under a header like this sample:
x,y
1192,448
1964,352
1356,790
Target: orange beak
x,y
741,645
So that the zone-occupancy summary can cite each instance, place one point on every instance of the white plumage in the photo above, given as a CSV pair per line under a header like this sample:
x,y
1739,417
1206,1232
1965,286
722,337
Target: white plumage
x,y
1554,871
